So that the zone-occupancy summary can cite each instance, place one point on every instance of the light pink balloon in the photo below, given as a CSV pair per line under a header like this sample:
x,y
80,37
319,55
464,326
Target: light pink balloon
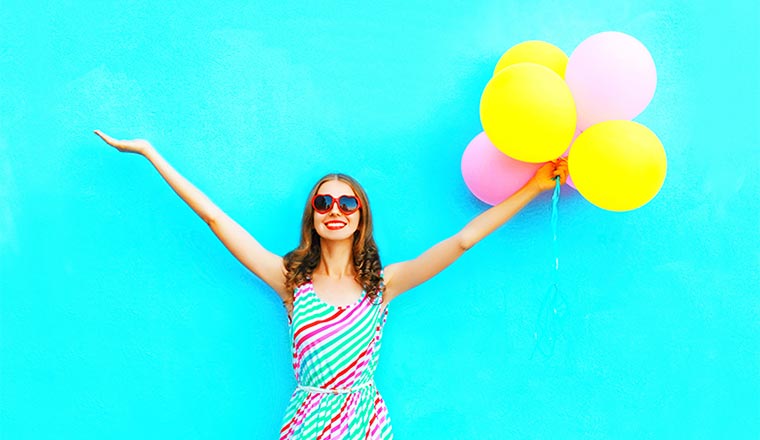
x,y
491,175
612,76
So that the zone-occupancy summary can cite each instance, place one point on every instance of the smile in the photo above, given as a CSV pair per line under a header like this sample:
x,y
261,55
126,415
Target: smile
x,y
334,226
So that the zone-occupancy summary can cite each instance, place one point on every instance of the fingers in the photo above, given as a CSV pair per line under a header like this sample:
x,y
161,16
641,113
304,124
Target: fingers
x,y
548,167
560,169
562,177
119,145
109,140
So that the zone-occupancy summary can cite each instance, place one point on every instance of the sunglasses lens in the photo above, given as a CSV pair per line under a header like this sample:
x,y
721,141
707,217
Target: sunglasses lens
x,y
348,204
323,203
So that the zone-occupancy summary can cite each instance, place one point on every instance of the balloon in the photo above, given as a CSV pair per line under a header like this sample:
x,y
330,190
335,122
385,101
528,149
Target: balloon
x,y
618,165
528,113
612,76
489,174
569,180
539,52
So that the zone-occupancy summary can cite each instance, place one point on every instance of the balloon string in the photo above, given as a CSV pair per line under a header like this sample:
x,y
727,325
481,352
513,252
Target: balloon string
x,y
554,305
555,244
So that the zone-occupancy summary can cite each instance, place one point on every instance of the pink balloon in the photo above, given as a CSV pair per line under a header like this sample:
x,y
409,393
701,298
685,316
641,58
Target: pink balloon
x,y
612,76
491,175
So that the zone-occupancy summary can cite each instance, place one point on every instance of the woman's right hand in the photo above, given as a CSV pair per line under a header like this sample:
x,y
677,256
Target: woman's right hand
x,y
139,146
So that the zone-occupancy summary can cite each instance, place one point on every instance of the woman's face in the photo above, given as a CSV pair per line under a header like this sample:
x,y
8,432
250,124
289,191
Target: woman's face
x,y
335,225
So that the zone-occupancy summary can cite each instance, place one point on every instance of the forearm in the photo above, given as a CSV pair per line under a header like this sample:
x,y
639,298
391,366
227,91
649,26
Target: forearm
x,y
497,215
198,202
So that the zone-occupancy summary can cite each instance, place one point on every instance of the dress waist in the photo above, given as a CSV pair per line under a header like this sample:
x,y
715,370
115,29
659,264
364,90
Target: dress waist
x,y
318,390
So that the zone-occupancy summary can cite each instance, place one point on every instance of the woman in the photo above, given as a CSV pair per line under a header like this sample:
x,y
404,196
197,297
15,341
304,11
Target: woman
x,y
336,292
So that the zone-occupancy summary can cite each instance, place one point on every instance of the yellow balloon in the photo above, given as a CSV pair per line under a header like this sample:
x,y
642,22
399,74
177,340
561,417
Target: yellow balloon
x,y
528,113
535,51
618,165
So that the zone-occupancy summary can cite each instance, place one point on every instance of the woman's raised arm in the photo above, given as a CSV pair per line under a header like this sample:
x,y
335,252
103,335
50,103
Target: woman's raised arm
x,y
400,277
264,264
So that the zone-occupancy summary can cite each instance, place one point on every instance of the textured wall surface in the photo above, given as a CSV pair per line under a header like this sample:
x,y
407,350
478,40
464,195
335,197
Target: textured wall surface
x,y
122,316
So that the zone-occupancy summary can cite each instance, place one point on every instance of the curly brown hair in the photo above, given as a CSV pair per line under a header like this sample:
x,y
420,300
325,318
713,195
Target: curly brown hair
x,y
301,261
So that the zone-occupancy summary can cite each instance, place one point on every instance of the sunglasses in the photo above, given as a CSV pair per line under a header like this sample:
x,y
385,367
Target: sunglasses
x,y
323,203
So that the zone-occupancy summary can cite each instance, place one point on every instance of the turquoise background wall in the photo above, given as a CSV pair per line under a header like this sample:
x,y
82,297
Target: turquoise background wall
x,y
122,316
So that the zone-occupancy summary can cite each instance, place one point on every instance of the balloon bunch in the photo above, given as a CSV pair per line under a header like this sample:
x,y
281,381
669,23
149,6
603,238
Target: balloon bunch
x,y
541,104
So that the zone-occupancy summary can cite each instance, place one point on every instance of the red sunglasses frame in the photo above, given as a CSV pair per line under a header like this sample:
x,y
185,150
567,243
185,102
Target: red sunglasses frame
x,y
334,201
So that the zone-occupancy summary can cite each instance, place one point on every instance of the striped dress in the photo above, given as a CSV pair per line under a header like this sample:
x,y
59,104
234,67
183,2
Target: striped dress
x,y
335,353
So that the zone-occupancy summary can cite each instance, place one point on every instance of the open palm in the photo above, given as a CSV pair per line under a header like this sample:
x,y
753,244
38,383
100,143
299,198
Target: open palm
x,y
139,146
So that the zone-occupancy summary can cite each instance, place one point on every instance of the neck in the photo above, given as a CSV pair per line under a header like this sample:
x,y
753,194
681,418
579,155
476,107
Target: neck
x,y
336,259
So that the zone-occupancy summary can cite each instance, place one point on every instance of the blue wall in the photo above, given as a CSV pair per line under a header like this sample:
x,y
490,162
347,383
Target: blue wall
x,y
122,316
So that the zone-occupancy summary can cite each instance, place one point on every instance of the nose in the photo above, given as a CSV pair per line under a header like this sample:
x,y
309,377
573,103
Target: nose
x,y
334,208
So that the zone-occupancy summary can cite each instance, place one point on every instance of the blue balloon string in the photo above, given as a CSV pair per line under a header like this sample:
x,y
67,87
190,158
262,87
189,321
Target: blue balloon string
x,y
555,244
554,306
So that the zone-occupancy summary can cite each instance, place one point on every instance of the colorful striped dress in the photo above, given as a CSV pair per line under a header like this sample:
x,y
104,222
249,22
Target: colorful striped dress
x,y
335,353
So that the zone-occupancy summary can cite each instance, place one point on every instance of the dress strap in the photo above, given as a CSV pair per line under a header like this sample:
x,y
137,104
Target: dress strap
x,y
381,289
299,289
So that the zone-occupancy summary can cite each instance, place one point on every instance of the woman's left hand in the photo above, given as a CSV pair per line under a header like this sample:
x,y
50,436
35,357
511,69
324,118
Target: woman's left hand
x,y
544,179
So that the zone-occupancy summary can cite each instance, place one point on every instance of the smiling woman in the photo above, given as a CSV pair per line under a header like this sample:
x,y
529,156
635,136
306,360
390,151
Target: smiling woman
x,y
336,335
336,226
336,291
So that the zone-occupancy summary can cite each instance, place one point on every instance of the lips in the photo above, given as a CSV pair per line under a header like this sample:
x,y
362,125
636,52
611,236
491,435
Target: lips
x,y
335,225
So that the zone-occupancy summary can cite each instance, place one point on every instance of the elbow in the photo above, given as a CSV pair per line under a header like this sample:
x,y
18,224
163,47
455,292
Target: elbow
x,y
465,242
211,221
211,218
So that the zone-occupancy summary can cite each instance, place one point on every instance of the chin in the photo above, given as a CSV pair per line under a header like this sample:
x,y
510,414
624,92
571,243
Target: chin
x,y
336,235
